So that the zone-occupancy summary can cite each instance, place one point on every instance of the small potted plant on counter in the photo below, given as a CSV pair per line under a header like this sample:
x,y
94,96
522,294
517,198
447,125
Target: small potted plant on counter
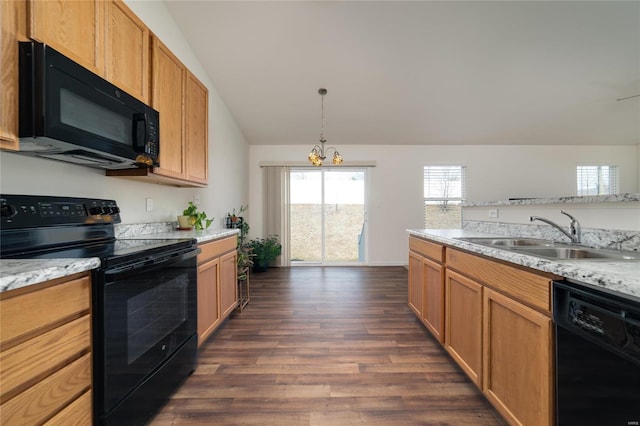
x,y
195,218
265,251
233,220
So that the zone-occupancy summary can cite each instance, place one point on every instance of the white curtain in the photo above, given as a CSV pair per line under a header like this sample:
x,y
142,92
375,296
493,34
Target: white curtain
x,y
276,208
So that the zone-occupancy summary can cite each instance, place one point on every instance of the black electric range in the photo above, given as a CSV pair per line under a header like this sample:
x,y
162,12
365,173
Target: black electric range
x,y
144,298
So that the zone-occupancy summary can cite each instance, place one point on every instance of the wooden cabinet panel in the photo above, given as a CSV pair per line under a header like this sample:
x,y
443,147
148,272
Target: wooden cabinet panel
x,y
531,288
427,249
44,399
78,413
228,283
208,304
463,335
433,315
216,248
34,312
126,50
74,28
416,279
518,360
45,352
167,97
196,131
217,284
13,19
28,362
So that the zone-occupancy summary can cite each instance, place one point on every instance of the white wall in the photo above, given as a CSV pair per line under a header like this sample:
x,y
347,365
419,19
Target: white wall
x,y
493,173
228,155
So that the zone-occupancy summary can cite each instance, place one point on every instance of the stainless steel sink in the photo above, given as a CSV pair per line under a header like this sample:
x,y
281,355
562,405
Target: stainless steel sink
x,y
575,253
552,250
509,242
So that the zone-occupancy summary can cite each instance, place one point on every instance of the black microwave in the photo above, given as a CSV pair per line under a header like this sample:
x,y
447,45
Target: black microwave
x,y
70,114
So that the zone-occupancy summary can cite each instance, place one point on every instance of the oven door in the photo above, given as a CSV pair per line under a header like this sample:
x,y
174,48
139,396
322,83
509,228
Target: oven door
x,y
144,313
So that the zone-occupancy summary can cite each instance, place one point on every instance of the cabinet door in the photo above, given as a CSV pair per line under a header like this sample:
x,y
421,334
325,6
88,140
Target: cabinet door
x,y
228,283
518,369
13,22
126,50
196,127
433,315
463,325
73,28
415,283
167,94
208,306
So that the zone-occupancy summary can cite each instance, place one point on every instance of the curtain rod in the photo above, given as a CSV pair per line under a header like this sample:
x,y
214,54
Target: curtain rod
x,y
346,164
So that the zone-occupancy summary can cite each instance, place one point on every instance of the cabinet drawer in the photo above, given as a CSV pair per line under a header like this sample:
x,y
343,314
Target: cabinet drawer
x,y
527,287
44,399
27,363
427,249
28,314
216,248
78,413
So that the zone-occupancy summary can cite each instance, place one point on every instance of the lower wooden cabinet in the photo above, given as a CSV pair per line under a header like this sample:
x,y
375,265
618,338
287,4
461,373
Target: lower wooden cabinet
x,y
497,325
426,284
415,283
208,307
434,309
217,285
518,360
45,353
463,335
229,286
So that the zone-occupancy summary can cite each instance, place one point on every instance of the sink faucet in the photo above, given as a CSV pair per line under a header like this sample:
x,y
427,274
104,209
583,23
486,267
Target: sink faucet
x,y
574,226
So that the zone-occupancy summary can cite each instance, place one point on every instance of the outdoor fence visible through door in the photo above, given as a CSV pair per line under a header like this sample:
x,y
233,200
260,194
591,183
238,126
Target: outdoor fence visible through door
x,y
327,216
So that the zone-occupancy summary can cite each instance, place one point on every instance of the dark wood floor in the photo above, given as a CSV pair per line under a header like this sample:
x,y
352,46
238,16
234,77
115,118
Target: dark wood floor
x,y
326,346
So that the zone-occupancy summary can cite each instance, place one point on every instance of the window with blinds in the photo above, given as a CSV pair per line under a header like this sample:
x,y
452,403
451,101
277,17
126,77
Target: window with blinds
x,y
444,192
597,180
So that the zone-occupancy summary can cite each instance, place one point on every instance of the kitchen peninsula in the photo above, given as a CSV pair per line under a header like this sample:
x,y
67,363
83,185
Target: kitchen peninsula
x,y
491,308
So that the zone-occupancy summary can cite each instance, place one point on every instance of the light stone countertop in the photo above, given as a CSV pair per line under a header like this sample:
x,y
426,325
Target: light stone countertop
x,y
617,277
17,273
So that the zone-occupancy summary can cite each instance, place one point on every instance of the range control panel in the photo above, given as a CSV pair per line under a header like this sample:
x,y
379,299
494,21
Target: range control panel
x,y
27,211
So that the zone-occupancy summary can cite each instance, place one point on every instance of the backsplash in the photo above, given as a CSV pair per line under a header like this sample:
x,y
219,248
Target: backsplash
x,y
128,230
601,238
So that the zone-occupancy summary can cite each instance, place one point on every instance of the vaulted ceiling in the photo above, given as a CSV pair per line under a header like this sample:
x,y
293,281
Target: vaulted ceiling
x,y
423,72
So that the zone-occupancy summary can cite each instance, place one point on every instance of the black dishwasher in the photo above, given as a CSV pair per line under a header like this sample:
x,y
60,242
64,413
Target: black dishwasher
x,y
597,357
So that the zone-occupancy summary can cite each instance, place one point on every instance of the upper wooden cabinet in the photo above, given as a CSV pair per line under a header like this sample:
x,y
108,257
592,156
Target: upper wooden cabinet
x,y
126,50
167,96
182,102
13,20
73,28
196,130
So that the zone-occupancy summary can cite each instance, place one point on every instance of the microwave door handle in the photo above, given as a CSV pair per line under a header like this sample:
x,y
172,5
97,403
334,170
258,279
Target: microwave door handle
x,y
139,133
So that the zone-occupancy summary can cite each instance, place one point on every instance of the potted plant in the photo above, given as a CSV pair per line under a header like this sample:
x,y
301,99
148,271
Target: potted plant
x,y
198,219
233,218
265,251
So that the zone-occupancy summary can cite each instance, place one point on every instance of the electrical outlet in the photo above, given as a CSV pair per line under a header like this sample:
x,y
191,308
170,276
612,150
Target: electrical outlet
x,y
196,200
493,213
149,202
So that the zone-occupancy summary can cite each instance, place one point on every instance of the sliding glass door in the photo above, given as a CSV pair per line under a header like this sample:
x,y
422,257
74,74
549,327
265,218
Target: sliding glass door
x,y
327,216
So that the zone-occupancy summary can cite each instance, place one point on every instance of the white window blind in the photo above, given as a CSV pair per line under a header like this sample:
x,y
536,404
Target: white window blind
x,y
597,180
444,192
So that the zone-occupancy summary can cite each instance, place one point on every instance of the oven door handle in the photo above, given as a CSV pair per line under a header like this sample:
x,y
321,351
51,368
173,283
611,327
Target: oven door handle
x,y
150,261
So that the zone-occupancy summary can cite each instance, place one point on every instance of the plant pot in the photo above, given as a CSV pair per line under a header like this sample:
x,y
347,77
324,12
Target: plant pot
x,y
184,222
258,268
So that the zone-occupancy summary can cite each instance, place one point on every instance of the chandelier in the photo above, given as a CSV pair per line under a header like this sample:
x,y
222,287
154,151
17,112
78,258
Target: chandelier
x,y
318,154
